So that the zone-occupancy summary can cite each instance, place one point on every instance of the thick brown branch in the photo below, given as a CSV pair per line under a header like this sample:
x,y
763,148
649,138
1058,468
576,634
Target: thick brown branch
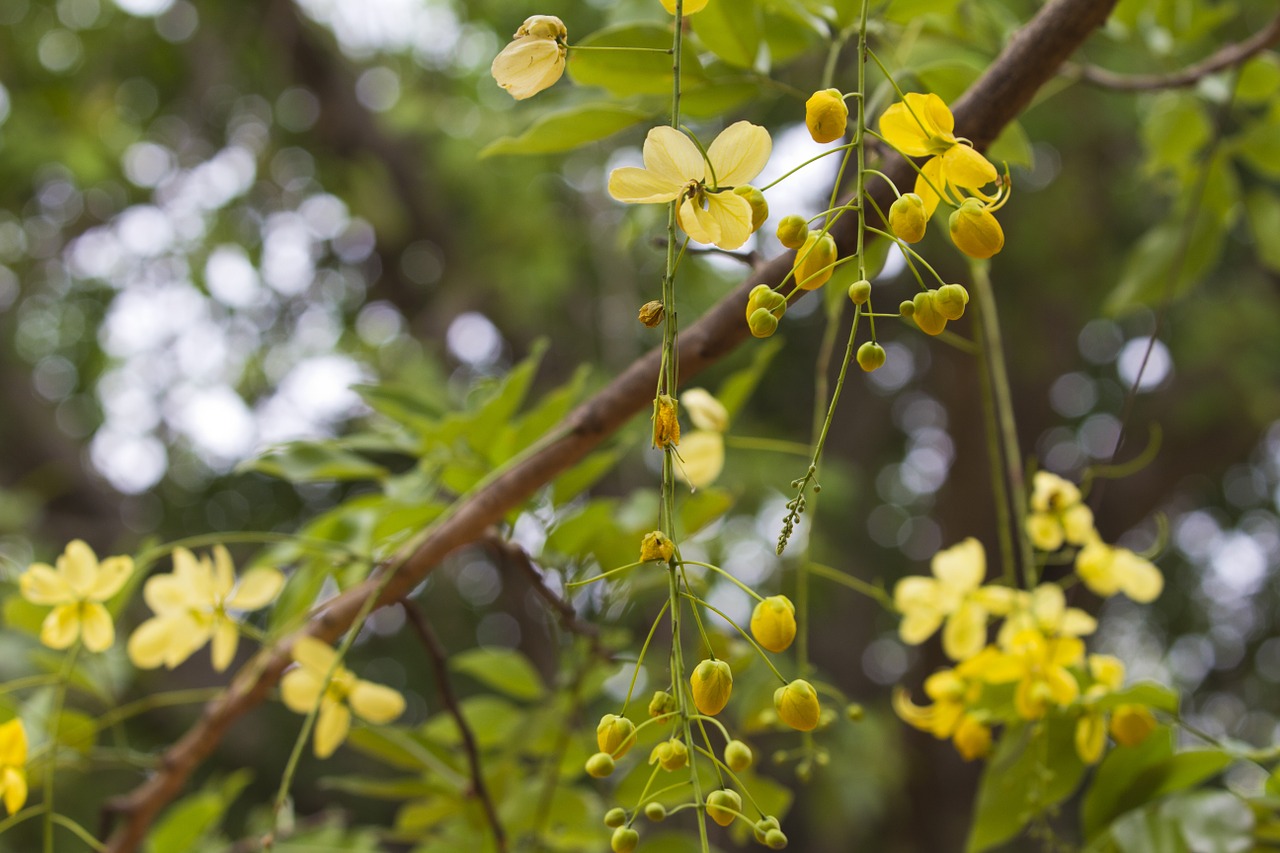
x,y
1228,57
1032,57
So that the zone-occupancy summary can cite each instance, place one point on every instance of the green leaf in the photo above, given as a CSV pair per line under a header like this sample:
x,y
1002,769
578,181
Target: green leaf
x,y
77,730
1175,130
1152,694
404,788
734,392
299,593
1213,821
498,411
23,615
1141,831
730,30
1259,79
1012,146
193,817
564,130
1273,783
1262,211
718,97
394,747
789,32
908,11
703,507
624,72
308,462
583,476
1259,147
505,670
492,719
1163,261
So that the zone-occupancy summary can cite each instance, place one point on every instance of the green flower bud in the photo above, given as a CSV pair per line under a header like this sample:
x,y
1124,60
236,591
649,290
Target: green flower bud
x,y
871,356
797,705
759,207
826,115
764,296
655,811
975,231
600,765
855,712
662,704
951,300
670,754
615,817
737,755
775,840
773,623
907,218
860,292
906,308
712,682
624,840
793,230
926,314
814,262
762,323
763,826
719,804
615,735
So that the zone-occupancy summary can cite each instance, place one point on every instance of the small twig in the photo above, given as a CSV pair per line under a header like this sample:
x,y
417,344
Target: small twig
x,y
440,663
1228,57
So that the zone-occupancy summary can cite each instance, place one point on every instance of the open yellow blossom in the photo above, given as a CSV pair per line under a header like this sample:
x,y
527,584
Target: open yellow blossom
x,y
535,58
675,170
953,595
13,765
1107,674
191,606
1045,610
76,589
690,6
922,126
1058,513
954,693
701,454
303,687
1039,665
1107,570
705,410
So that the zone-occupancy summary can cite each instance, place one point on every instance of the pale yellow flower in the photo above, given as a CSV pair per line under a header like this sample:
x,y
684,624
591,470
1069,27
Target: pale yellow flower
x,y
953,595
690,6
922,126
13,765
303,687
76,589
705,410
1058,513
1045,610
534,60
1107,673
192,605
701,458
675,170
1107,570
1039,665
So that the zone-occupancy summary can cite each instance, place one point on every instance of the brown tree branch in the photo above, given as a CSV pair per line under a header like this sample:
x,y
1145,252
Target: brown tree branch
x,y
1228,57
1032,57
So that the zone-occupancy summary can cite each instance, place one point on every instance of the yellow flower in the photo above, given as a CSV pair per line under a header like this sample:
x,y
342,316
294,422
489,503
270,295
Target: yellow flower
x,y
303,687
815,260
1130,724
704,410
954,692
773,623
1091,736
972,738
534,60
952,595
922,126
701,458
712,684
191,606
615,735
1107,673
690,6
76,589
656,545
826,115
670,754
1039,665
666,422
675,170
1107,570
1045,610
797,705
1058,513
13,763
974,230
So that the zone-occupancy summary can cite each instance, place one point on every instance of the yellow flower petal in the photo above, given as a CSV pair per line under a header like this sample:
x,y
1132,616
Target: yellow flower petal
x,y
739,153
14,782
698,223
1045,531
1094,566
376,703
672,156
972,739
1077,623
112,574
152,641
1077,523
332,725
170,595
965,167
225,639
257,589
528,65
224,572
300,690
640,186
99,631
40,584
904,132
962,566
966,632
704,410
917,599
701,458
917,716
930,176
79,565
1137,578
1091,737
690,6
13,744
1107,671
61,626
314,655
732,214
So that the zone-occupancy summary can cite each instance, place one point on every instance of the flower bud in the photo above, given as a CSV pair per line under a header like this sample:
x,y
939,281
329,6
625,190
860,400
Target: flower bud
x,y
826,115
815,260
600,765
712,682
651,313
759,207
615,735
670,754
737,755
855,712
704,410
655,811
662,704
773,623
624,840
764,296
871,356
926,314
950,300
906,308
719,804
542,27
793,230
690,6
775,840
972,739
797,705
763,826
908,218
860,292
762,323
975,231
1132,724
666,424
656,546
615,817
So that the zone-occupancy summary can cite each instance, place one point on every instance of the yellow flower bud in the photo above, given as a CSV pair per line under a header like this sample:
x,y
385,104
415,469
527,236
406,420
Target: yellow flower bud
x,y
690,6
793,230
871,356
656,546
666,424
655,811
615,817
712,682
926,314
773,623
906,308
651,313
624,840
600,765
763,826
1132,724
762,323
972,739
615,735
534,60
908,218
670,754
797,705
950,300
719,804
759,206
764,296
737,755
975,231
1091,737
662,704
815,260
542,27
860,292
826,115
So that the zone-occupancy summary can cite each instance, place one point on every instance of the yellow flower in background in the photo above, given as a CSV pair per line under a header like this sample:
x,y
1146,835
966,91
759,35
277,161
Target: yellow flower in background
x,y
1107,570
690,6
675,170
954,596
954,692
701,454
922,126
704,410
1039,665
191,606
13,765
1045,610
534,60
1132,724
303,687
1058,513
76,589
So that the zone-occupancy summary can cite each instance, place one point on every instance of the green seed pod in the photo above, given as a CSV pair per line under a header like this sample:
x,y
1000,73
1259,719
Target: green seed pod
x,y
615,817
871,356
624,840
720,804
600,765
655,811
662,704
759,207
907,218
762,323
737,755
906,308
951,300
860,292
793,230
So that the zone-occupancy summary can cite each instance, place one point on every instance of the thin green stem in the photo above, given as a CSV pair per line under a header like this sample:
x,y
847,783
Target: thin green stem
x,y
640,660
743,442
79,831
734,776
745,635
603,575
812,159
59,699
28,681
995,458
573,47
742,586
871,591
